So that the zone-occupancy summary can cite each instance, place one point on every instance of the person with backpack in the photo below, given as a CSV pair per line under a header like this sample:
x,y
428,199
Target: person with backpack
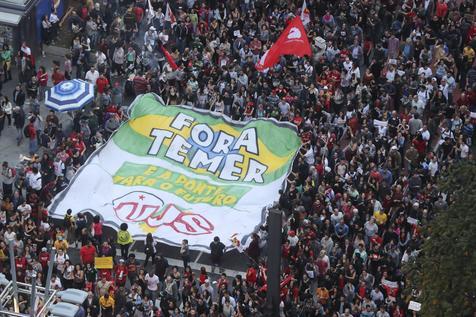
x,y
8,177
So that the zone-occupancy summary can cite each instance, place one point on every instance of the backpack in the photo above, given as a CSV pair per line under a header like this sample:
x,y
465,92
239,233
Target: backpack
x,y
14,172
26,132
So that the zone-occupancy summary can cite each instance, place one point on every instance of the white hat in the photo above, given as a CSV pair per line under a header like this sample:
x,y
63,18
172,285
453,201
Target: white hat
x,y
152,28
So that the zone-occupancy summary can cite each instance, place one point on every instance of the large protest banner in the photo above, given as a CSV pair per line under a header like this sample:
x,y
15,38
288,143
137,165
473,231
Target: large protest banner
x,y
182,173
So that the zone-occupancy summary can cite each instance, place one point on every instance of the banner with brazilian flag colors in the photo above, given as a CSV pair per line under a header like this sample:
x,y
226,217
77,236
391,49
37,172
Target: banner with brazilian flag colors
x,y
183,173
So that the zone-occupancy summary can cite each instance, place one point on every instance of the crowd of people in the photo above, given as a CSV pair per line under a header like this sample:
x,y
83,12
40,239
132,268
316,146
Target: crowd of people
x,y
383,106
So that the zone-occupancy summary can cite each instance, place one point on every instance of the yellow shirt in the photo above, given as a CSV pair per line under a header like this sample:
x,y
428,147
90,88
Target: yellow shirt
x,y
469,53
380,217
106,303
61,244
124,237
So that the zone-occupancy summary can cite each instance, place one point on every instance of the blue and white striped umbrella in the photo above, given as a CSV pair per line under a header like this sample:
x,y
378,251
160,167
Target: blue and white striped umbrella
x,y
69,95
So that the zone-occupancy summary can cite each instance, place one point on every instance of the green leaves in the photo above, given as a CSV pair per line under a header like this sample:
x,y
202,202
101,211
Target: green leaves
x,y
445,271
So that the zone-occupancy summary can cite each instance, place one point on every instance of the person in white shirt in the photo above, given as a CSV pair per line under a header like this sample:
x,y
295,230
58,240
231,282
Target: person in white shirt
x,y
58,167
425,134
348,64
34,179
54,20
463,149
418,104
55,283
101,58
336,216
25,210
425,71
150,37
10,235
433,166
92,75
152,285
356,71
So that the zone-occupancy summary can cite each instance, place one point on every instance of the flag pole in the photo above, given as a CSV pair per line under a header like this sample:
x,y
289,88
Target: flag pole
x,y
50,272
13,271
274,261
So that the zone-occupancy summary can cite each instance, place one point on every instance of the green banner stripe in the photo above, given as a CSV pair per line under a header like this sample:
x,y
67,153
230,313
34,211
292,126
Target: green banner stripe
x,y
138,144
272,134
190,189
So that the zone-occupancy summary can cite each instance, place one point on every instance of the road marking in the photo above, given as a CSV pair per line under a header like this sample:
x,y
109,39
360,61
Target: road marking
x,y
198,257
195,266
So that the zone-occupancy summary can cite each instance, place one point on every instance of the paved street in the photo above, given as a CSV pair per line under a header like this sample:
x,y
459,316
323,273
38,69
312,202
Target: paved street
x,y
9,151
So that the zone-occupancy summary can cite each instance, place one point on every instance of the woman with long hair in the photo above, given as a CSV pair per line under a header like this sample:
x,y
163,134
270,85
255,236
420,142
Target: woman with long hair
x,y
78,280
7,109
149,250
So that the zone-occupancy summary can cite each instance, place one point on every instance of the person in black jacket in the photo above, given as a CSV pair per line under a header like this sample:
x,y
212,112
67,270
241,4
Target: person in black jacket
x,y
161,265
18,96
19,122
216,251
91,305
149,249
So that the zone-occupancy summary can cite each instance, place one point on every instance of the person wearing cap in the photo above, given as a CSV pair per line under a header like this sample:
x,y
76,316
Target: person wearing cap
x,y
44,258
207,287
121,273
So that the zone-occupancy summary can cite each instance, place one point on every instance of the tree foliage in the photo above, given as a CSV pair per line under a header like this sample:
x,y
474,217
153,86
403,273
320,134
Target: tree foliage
x,y
445,270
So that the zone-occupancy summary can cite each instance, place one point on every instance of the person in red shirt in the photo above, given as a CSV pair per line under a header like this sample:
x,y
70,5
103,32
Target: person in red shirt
x,y
20,263
57,76
42,77
441,9
353,124
121,273
132,267
102,83
43,258
33,144
139,13
420,145
87,253
97,229
471,33
106,274
251,276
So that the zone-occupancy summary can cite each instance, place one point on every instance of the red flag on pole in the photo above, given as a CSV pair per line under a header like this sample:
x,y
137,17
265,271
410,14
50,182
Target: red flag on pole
x,y
305,14
169,16
293,41
169,58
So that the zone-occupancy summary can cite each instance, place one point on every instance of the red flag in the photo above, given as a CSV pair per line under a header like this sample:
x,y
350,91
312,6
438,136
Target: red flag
x,y
169,58
169,15
293,41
